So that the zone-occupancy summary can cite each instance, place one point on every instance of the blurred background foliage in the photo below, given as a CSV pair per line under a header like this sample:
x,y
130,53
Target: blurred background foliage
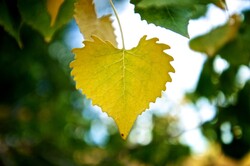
x,y
45,121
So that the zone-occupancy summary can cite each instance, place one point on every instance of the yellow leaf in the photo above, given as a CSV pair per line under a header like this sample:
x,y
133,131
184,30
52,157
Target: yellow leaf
x,y
89,24
122,82
53,7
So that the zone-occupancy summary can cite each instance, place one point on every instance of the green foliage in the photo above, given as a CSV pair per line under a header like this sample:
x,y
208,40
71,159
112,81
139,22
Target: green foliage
x,y
9,20
237,51
211,42
13,14
161,151
236,116
207,84
231,98
36,112
35,13
173,15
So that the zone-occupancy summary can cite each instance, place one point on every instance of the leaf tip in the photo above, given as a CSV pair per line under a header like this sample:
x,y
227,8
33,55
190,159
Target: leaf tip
x,y
47,38
144,37
123,136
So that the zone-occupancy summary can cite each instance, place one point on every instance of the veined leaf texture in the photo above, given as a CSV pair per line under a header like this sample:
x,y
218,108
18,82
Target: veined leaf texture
x,y
122,82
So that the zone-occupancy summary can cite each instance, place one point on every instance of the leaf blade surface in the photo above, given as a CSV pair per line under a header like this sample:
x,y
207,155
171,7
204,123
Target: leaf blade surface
x,y
122,82
89,24
173,14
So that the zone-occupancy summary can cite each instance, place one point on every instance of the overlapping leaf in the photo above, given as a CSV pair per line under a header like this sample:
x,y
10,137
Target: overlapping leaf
x,y
89,24
53,7
122,82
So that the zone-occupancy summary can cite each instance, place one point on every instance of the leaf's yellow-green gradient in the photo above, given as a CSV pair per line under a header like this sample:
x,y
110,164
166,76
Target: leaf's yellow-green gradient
x,y
89,24
122,82
53,7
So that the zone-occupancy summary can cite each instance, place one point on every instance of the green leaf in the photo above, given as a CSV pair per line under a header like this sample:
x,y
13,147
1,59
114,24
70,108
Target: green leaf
x,y
199,11
9,23
207,85
35,14
211,42
183,3
159,3
228,81
173,15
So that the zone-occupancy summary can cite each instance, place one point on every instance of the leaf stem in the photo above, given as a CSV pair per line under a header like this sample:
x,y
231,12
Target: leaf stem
x,y
119,23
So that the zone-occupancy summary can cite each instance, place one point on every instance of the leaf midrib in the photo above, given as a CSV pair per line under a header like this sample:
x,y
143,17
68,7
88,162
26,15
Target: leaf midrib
x,y
123,76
